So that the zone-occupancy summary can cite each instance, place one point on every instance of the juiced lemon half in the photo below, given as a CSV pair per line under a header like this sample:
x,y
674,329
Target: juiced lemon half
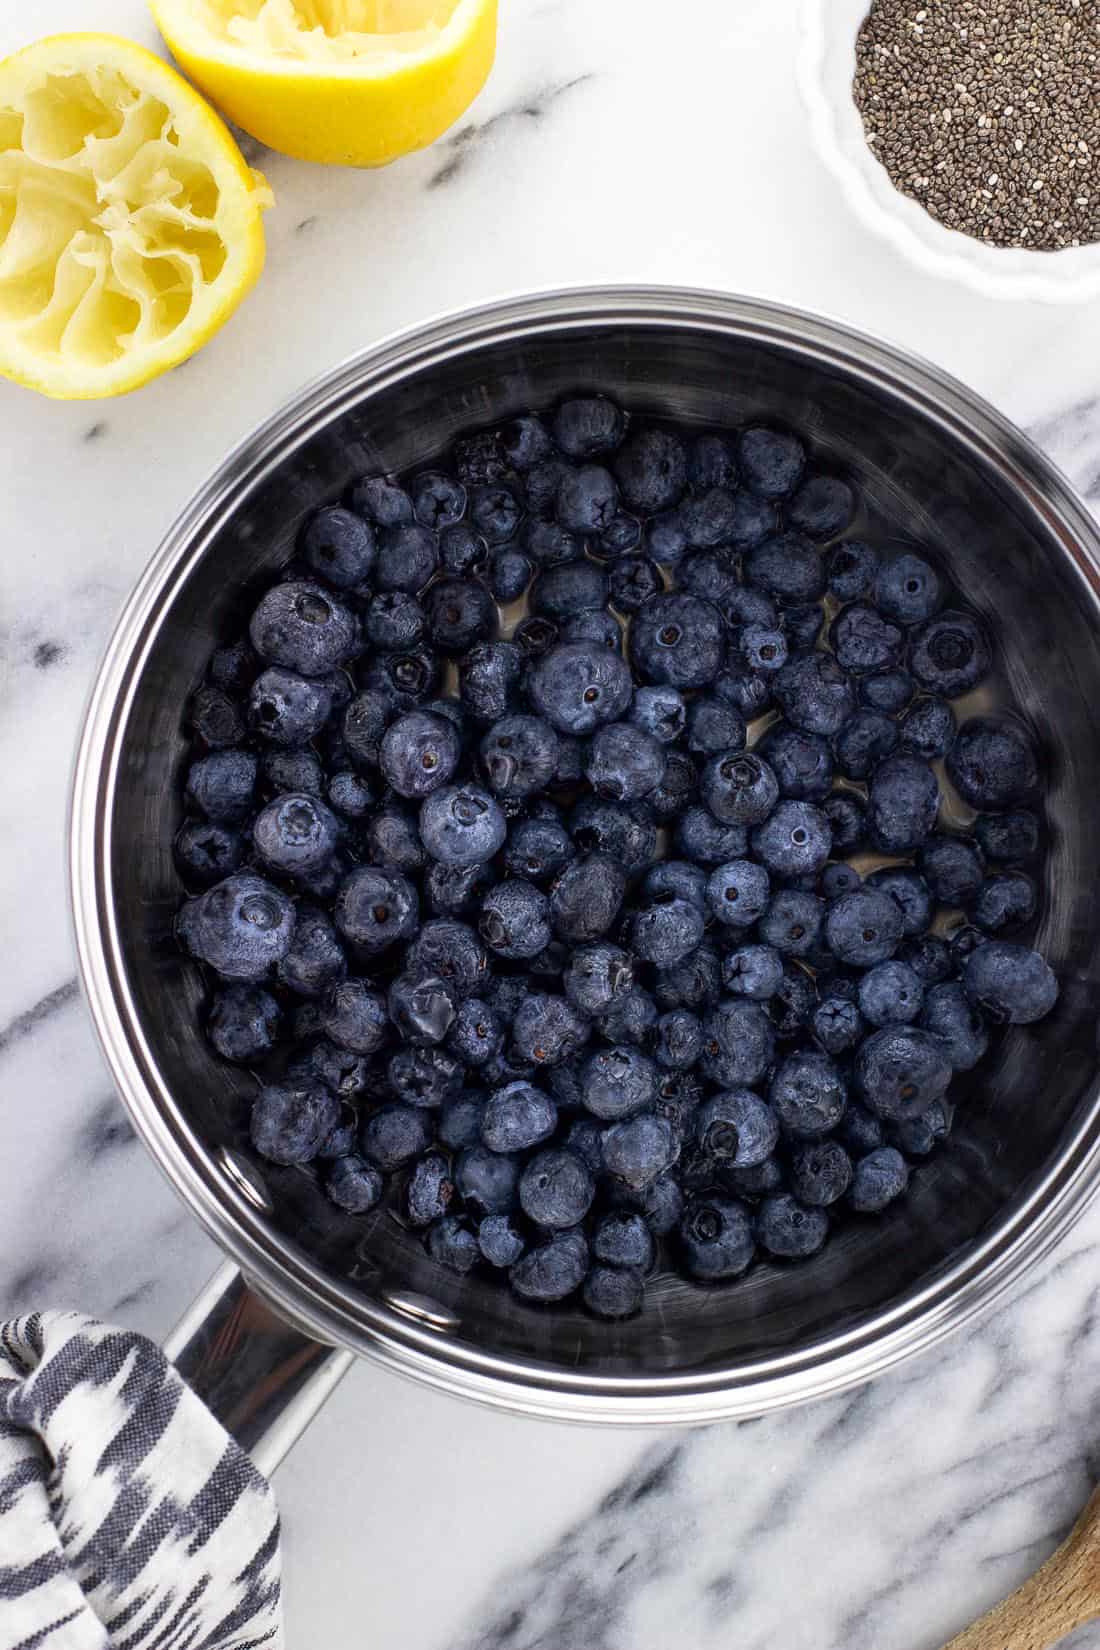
x,y
356,82
130,226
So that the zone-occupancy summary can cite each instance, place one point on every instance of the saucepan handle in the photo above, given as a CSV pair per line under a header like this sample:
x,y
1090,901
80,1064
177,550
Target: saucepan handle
x,y
263,1379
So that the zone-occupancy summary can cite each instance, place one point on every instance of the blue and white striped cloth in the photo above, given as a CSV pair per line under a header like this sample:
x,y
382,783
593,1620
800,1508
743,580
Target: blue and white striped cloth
x,y
129,1519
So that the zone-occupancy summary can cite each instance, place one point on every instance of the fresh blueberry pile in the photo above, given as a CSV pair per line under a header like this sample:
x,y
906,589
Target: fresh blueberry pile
x,y
521,938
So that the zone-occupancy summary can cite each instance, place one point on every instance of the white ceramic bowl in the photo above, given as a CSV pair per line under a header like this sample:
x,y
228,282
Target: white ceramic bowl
x,y
826,68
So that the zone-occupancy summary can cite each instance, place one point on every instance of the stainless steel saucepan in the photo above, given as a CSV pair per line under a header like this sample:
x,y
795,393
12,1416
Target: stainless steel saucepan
x,y
934,463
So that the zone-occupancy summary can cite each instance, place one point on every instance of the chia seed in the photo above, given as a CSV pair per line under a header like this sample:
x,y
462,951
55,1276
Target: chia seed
x,y
987,113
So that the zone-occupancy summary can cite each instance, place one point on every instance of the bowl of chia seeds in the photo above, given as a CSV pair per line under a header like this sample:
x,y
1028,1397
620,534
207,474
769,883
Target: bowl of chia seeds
x,y
966,133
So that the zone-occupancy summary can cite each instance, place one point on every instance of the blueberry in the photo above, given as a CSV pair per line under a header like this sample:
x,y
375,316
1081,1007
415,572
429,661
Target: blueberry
x,y
675,879
878,1179
462,551
753,971
556,1189
712,577
665,539
525,441
1010,983
903,802
509,573
638,1150
679,1040
631,1018
457,890
762,647
748,691
792,922
794,840
461,613
290,1121
515,920
588,425
837,1024
908,590
380,499
738,1043
788,1229
354,1185
822,506
538,849
588,499
579,686
821,1173
233,667
949,1014
519,755
364,724
793,1004
634,582
701,839
677,641
950,654
286,709
928,728
618,1083
888,690
462,825
736,1129
547,1029
963,941
487,1181
477,1035
351,795
595,976
739,788
667,931
430,1190
408,558
569,588
222,785
438,500
911,893
392,839
355,1017
215,718
426,1077
623,1238
552,1271
837,879
712,518
500,1240
851,568
928,957
375,909
495,512
900,1071
865,641
890,994
624,763
304,628
518,1117
422,1006
460,1121
815,694
952,867
864,927
992,764
802,762
847,818
612,1292
651,469
243,1023
241,927
808,1094
787,566
292,771
453,1244
600,627
395,1135
621,536
772,462
586,898
1009,839
206,852
752,520
716,1239
453,951
295,835
738,893
340,547
1005,902
419,753
714,727
677,791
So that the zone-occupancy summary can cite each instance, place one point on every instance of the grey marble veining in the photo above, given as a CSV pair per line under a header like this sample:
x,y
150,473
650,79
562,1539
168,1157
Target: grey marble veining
x,y
621,140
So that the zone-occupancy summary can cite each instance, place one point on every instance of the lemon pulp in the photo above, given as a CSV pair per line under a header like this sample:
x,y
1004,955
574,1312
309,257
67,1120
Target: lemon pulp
x,y
129,224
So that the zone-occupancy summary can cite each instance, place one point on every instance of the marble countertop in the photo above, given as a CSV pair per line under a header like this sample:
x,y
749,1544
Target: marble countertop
x,y
616,140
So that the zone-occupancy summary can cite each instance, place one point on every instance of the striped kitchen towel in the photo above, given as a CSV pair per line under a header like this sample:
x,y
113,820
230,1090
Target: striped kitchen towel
x,y
129,1519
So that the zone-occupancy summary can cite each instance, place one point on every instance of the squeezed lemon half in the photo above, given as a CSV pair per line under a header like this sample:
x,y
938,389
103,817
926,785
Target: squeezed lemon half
x,y
130,225
355,82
